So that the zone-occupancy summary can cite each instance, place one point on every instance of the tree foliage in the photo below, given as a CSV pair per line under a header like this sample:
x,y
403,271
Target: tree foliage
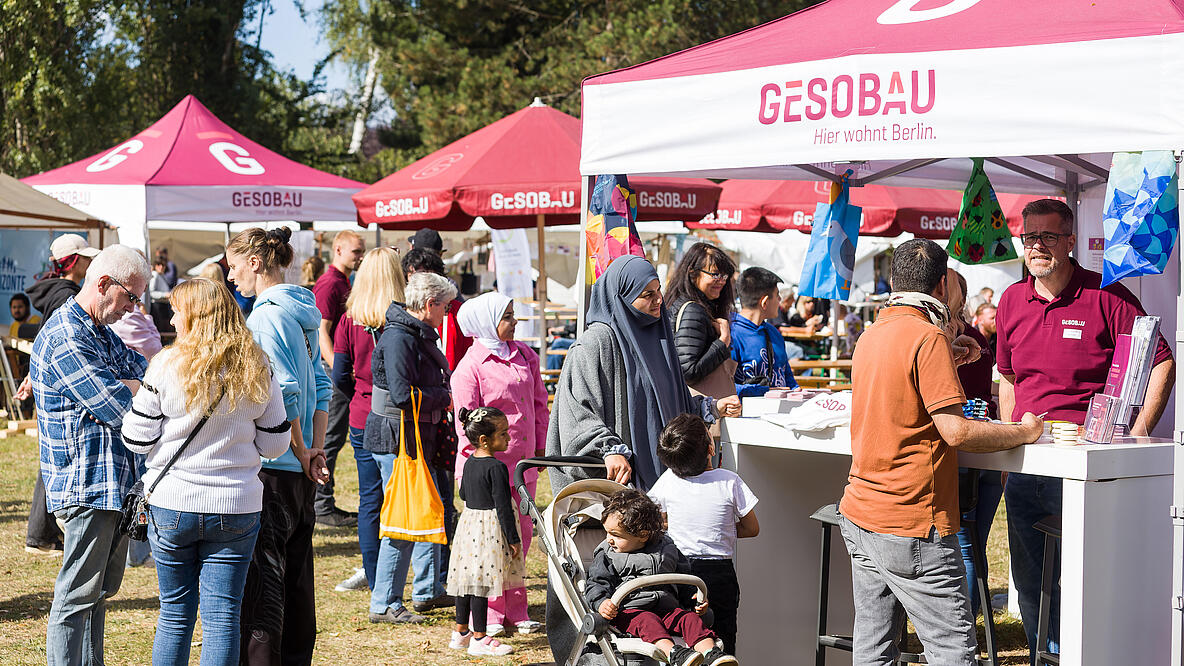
x,y
77,76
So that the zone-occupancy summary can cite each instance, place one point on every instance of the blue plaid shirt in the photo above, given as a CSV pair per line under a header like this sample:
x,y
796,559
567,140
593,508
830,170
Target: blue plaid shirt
x,y
75,371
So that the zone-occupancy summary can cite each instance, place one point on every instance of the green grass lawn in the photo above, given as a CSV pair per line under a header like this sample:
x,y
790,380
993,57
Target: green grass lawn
x,y
344,636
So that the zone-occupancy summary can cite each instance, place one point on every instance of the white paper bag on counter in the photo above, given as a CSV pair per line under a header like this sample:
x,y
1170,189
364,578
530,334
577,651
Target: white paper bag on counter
x,y
818,413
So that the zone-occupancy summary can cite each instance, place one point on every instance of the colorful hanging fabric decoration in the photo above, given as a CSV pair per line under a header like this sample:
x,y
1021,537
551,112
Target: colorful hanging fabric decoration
x,y
1142,216
830,260
981,235
612,224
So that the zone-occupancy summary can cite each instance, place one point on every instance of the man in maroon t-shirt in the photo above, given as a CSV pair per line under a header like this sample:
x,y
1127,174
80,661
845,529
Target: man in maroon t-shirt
x,y
1056,336
331,291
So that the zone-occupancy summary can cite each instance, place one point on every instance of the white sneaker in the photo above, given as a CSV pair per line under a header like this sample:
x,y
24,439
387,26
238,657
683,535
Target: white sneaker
x,y
354,582
460,641
489,647
494,629
528,626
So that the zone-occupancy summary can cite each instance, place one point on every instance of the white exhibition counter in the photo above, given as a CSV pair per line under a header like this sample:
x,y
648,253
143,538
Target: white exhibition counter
x,y
1116,569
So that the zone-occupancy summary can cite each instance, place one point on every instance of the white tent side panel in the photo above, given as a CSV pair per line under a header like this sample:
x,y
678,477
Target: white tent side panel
x,y
1089,96
121,205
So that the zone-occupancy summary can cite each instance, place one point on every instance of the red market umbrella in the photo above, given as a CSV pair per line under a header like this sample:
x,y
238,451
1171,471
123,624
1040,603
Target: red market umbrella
x,y
775,205
510,173
521,171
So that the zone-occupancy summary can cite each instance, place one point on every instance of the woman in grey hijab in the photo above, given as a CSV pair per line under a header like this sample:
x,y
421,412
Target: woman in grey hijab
x,y
621,381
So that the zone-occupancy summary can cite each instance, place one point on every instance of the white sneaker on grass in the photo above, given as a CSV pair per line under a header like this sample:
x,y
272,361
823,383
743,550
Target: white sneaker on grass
x,y
460,641
354,582
494,629
489,647
528,626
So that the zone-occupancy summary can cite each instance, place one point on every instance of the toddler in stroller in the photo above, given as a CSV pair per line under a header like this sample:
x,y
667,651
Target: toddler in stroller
x,y
569,532
637,546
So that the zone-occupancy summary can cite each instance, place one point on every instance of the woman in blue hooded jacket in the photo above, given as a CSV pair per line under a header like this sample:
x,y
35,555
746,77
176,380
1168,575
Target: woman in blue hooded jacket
x,y
279,607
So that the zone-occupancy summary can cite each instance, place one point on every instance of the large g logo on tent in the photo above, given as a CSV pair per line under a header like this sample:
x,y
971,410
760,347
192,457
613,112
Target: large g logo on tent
x,y
240,162
902,11
116,156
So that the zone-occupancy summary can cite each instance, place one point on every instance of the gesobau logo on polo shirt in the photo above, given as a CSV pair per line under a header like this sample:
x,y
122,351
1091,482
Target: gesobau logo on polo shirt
x,y
1071,333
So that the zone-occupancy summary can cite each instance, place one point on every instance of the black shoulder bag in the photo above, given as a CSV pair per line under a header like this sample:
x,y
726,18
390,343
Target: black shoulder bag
x,y
134,519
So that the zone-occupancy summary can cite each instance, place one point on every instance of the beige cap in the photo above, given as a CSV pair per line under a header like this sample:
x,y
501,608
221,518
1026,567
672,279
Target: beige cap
x,y
68,244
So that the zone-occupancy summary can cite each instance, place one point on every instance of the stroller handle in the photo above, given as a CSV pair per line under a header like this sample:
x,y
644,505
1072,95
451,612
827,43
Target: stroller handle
x,y
552,461
661,579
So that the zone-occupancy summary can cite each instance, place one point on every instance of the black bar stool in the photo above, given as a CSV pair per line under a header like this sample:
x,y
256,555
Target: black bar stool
x,y
1051,526
968,501
828,517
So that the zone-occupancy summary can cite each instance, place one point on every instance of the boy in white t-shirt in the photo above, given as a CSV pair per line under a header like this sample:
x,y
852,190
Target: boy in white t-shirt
x,y
706,510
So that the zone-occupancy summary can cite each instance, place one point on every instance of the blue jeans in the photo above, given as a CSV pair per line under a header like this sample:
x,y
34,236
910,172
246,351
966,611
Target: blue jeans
x,y
990,491
201,558
396,556
370,489
1029,499
92,571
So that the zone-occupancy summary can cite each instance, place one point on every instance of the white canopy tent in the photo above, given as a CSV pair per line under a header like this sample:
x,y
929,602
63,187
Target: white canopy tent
x,y
905,95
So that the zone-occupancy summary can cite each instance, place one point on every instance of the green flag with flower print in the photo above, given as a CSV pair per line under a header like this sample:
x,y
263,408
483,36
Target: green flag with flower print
x,y
981,235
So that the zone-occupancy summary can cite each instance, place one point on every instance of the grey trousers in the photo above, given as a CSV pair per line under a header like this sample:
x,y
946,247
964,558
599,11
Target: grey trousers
x,y
925,578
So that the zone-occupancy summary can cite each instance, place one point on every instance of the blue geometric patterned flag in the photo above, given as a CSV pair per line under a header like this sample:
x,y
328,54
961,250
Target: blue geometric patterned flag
x,y
1142,215
830,260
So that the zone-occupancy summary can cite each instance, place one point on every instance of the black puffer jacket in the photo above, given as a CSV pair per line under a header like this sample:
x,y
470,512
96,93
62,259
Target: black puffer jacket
x,y
406,357
700,351
610,569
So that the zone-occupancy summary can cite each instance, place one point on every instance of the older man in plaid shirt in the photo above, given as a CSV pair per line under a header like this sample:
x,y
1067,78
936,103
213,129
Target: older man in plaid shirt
x,y
83,380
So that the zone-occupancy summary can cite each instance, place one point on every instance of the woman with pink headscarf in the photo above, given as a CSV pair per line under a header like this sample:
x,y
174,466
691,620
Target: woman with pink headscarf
x,y
498,371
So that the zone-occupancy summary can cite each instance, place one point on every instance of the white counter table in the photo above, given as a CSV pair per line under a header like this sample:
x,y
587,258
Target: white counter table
x,y
1116,567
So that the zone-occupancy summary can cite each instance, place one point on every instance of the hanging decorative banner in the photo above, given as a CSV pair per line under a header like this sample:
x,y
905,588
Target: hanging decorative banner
x,y
830,260
981,235
612,224
1142,215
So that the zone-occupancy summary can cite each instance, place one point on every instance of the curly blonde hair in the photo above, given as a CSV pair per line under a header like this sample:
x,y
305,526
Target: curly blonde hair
x,y
379,282
216,349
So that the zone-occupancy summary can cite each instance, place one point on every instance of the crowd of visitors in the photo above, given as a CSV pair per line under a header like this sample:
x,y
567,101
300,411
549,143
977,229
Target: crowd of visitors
x,y
236,427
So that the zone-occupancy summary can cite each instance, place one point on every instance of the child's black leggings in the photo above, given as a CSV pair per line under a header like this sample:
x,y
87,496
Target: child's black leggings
x,y
477,606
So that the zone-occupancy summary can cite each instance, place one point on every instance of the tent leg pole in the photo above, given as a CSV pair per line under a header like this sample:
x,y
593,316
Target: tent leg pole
x,y
583,280
542,291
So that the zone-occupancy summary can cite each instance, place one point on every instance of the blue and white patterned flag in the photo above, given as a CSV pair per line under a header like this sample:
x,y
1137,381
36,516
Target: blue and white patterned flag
x,y
1142,215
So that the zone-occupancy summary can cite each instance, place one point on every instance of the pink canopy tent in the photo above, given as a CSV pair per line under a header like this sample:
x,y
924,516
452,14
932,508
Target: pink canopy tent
x,y
906,92
776,205
190,166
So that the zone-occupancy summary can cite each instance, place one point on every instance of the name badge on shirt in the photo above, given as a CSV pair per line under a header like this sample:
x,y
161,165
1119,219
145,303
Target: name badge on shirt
x,y
1071,333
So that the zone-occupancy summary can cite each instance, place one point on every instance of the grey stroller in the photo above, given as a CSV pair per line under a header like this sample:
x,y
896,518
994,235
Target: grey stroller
x,y
568,532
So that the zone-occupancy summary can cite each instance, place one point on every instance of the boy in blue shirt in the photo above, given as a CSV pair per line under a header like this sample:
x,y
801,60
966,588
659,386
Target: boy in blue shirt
x,y
757,345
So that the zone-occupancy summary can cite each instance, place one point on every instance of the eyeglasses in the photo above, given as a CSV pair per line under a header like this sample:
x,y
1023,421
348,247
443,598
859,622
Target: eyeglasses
x,y
134,299
1048,239
718,277
447,306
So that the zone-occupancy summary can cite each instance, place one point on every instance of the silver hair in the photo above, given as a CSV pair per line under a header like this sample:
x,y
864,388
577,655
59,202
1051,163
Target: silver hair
x,y
121,262
424,286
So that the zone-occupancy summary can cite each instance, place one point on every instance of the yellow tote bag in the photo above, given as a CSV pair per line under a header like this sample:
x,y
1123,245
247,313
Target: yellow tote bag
x,y
411,507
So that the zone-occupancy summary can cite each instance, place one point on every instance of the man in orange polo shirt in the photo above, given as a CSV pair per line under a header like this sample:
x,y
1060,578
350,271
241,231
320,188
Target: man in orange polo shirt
x,y
900,508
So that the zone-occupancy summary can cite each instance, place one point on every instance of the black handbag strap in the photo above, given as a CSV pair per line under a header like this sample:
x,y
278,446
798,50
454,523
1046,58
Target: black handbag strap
x,y
185,444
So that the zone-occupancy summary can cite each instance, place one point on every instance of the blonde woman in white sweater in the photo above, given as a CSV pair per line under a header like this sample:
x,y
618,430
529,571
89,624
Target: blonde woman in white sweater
x,y
205,510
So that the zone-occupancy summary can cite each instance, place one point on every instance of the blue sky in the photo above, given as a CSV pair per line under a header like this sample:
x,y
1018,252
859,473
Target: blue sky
x,y
296,44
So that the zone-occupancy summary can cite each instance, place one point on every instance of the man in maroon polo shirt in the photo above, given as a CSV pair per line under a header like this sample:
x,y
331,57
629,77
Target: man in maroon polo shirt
x,y
1056,336
331,291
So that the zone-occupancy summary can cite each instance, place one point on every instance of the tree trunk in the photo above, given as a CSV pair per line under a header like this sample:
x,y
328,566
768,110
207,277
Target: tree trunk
x,y
355,141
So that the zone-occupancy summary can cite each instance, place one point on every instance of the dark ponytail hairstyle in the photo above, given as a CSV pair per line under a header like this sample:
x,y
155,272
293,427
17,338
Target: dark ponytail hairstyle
x,y
271,246
479,421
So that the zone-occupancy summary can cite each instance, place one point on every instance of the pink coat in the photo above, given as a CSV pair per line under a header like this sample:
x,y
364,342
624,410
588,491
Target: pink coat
x,y
512,385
